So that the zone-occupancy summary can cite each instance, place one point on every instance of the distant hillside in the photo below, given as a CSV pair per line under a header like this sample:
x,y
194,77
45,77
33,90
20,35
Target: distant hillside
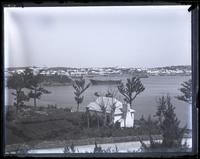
x,y
180,70
181,67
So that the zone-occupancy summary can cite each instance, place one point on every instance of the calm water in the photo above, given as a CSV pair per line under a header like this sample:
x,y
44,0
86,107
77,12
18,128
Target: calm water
x,y
145,103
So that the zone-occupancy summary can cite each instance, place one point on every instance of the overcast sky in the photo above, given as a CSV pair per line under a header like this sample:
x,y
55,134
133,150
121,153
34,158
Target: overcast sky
x,y
126,36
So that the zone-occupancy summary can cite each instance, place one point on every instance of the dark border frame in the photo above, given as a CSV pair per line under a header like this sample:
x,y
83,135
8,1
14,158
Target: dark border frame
x,y
194,9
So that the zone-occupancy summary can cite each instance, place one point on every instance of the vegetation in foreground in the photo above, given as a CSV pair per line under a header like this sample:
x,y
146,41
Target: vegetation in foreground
x,y
40,124
168,125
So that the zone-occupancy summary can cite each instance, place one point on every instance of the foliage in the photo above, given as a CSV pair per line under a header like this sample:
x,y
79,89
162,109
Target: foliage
x,y
33,82
103,108
22,149
172,133
10,115
161,109
148,126
16,82
131,89
89,120
69,149
97,149
169,127
112,94
186,91
80,88
108,118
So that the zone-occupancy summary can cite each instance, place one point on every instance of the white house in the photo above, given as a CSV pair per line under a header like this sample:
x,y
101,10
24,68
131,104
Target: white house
x,y
108,102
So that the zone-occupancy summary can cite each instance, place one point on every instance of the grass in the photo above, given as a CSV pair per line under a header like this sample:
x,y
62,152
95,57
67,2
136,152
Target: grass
x,y
35,125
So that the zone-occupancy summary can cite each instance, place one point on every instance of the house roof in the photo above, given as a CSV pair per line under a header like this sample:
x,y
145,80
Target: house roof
x,y
107,102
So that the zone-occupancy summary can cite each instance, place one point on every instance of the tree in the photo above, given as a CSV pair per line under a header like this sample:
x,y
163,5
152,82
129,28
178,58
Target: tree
x,y
112,111
186,91
33,82
104,104
168,124
16,82
103,107
172,133
161,109
131,89
97,118
149,125
80,88
111,93
88,117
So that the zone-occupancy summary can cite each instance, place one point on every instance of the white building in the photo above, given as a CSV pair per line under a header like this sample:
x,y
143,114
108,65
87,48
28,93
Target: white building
x,y
108,102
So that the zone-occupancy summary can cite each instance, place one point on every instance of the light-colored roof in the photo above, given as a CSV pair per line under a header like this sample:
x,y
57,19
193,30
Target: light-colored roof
x,y
107,102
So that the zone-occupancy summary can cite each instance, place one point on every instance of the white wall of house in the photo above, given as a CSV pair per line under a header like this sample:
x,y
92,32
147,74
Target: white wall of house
x,y
94,106
129,119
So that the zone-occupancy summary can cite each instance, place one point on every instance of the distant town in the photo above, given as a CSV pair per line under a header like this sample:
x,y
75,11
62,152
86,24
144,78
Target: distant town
x,y
183,70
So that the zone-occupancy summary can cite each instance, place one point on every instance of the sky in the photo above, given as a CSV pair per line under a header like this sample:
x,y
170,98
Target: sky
x,y
104,36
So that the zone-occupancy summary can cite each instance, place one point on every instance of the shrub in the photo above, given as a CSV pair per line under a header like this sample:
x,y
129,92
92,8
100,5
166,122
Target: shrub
x,y
10,115
97,149
169,127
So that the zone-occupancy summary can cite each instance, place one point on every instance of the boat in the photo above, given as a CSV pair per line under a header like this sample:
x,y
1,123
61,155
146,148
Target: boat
x,y
90,76
142,76
52,84
105,82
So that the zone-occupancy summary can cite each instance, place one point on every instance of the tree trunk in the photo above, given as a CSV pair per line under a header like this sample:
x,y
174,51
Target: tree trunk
x,y
88,120
17,101
104,119
130,103
125,121
35,102
35,98
77,107
98,122
97,117
112,118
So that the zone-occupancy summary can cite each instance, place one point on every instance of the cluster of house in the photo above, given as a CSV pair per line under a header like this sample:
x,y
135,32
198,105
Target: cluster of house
x,y
168,71
107,71
70,71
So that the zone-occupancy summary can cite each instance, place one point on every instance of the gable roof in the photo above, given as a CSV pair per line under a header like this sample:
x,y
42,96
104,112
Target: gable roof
x,y
107,102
